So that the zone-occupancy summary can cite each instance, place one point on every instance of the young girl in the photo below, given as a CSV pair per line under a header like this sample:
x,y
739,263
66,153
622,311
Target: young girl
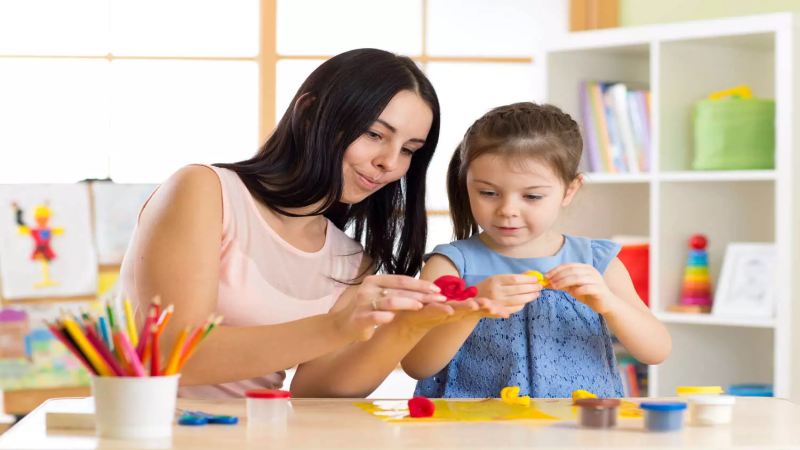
x,y
507,182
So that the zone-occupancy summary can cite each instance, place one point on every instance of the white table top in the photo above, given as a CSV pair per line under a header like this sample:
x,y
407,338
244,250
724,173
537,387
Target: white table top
x,y
335,423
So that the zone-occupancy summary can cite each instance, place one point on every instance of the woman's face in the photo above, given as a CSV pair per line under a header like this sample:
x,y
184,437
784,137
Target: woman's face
x,y
383,153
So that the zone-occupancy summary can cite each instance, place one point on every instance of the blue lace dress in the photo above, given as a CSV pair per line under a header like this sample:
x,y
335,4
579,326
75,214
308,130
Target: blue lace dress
x,y
555,345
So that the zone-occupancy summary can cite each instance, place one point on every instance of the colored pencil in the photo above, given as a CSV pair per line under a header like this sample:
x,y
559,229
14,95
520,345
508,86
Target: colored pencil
x,y
70,346
155,356
91,354
174,356
145,335
130,354
101,348
164,319
211,326
131,323
105,332
110,311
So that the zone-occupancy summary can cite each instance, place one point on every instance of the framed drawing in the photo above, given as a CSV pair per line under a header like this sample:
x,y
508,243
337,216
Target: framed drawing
x,y
747,282
116,207
46,247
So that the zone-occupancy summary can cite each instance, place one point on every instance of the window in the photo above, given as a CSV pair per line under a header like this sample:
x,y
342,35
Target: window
x,y
134,89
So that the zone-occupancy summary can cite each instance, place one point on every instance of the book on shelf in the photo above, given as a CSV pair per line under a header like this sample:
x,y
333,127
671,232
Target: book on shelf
x,y
616,127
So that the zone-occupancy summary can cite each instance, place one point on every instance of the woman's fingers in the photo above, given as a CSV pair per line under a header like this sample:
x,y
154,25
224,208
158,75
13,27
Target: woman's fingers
x,y
396,303
518,289
402,282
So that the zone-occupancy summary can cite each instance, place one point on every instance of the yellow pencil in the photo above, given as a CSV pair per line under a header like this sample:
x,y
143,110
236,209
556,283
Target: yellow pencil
x,y
175,356
88,349
131,323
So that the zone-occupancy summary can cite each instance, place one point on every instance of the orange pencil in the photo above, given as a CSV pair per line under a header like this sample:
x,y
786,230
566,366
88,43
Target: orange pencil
x,y
191,344
155,356
164,319
174,357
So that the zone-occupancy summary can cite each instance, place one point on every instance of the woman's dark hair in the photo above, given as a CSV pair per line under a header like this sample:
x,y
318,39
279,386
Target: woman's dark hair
x,y
518,130
301,162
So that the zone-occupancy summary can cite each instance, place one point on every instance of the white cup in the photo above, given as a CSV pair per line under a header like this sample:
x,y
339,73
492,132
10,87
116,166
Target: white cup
x,y
134,407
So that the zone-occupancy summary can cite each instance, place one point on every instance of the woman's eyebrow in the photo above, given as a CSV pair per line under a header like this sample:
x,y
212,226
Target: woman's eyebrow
x,y
394,130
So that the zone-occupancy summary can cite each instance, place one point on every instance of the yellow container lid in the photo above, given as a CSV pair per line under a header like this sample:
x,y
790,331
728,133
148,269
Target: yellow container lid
x,y
694,390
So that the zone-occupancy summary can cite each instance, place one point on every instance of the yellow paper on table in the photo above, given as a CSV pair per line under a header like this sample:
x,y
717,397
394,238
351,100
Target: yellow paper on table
x,y
485,410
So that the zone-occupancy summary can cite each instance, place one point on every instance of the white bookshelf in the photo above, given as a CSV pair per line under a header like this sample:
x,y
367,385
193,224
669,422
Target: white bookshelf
x,y
682,63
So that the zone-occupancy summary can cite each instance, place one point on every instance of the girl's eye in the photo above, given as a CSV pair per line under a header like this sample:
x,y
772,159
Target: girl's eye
x,y
487,193
407,151
372,135
533,197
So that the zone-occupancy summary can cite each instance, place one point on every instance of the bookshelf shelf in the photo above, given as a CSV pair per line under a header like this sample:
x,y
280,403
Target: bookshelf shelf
x,y
680,64
728,175
708,319
612,178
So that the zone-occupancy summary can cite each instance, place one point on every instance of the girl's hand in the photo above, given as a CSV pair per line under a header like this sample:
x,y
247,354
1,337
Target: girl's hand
x,y
510,292
378,298
585,283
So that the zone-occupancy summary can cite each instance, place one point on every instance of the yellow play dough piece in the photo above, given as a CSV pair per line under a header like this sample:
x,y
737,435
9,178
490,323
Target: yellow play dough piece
x,y
510,394
581,393
539,277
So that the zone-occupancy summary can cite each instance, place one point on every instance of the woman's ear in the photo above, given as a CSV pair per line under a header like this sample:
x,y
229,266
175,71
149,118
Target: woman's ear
x,y
572,189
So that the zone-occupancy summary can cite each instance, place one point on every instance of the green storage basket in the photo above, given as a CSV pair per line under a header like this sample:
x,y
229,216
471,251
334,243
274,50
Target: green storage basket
x,y
734,134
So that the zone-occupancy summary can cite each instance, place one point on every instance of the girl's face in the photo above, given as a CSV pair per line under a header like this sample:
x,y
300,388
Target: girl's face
x,y
515,200
383,153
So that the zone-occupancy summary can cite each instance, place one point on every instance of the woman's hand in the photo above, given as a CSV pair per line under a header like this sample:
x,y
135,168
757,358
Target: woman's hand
x,y
586,284
378,299
510,292
435,314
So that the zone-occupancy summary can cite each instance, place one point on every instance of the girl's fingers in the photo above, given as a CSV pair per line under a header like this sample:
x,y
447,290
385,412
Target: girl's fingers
x,y
518,289
573,280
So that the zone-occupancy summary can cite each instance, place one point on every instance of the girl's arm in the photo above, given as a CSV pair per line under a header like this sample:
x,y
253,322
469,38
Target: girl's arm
x,y
632,322
613,296
176,254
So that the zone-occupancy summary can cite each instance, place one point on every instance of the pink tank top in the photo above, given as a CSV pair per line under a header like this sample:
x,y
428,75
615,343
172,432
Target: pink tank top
x,y
264,280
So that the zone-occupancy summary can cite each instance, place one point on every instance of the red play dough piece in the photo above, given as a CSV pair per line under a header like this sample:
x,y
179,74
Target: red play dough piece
x,y
454,288
421,407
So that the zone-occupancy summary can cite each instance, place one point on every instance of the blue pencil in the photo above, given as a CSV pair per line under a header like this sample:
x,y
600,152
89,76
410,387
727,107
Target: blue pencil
x,y
105,332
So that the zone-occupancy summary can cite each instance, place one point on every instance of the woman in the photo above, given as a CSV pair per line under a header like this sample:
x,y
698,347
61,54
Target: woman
x,y
261,241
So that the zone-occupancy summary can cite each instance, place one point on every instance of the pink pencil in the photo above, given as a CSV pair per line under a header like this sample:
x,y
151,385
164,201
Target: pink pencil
x,y
130,354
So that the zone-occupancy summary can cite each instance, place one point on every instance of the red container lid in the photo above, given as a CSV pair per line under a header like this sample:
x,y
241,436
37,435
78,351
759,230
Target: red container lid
x,y
267,393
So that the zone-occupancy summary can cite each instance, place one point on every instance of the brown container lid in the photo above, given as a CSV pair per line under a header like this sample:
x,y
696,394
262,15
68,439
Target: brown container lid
x,y
597,403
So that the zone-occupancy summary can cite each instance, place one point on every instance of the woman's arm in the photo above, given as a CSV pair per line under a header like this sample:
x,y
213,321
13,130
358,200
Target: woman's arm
x,y
358,369
176,255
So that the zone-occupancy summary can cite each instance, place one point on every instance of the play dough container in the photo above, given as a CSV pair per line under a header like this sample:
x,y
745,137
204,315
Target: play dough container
x,y
685,391
707,410
267,406
663,416
598,412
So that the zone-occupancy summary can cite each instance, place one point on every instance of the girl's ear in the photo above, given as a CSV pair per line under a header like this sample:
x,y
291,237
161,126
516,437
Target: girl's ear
x,y
572,189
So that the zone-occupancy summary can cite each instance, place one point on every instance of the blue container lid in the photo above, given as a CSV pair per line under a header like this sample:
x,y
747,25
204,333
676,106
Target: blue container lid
x,y
751,390
663,406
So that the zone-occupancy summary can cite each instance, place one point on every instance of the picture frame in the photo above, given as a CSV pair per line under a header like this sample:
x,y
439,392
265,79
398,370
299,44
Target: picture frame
x,y
747,281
